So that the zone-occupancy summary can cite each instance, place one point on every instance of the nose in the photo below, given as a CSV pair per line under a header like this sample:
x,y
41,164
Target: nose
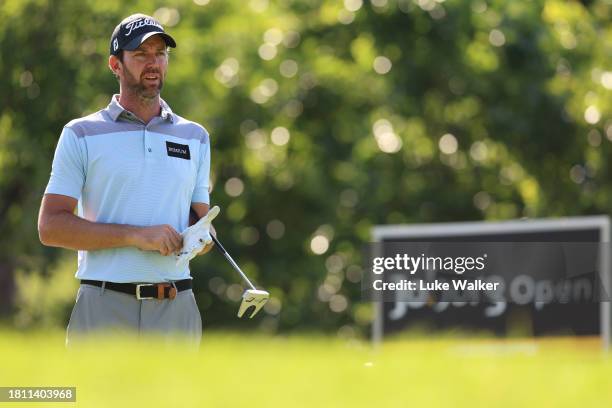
x,y
151,59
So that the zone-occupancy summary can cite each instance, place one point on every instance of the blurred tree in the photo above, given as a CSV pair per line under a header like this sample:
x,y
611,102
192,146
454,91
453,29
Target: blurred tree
x,y
326,118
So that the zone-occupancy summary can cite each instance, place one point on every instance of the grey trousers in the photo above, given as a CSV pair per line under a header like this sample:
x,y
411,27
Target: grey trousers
x,y
105,312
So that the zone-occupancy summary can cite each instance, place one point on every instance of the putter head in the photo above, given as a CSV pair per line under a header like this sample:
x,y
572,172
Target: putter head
x,y
253,297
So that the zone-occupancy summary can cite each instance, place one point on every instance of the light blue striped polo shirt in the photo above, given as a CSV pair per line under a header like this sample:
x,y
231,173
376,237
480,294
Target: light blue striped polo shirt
x,y
124,171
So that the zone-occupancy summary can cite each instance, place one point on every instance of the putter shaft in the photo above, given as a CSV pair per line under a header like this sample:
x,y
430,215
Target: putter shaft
x,y
231,261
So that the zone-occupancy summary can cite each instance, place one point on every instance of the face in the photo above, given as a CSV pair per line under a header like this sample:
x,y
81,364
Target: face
x,y
143,70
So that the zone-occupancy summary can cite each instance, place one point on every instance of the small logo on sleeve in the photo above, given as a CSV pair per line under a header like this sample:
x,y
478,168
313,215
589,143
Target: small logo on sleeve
x,y
178,150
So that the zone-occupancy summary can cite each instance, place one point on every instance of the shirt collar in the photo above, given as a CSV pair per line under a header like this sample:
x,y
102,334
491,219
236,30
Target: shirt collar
x,y
166,112
115,109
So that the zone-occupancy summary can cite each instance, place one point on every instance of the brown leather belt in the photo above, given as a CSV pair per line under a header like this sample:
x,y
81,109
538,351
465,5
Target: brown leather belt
x,y
162,290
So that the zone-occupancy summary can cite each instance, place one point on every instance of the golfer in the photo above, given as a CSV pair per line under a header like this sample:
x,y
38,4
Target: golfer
x,y
137,171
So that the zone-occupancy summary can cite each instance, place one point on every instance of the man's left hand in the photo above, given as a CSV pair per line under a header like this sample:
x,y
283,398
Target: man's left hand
x,y
197,238
209,246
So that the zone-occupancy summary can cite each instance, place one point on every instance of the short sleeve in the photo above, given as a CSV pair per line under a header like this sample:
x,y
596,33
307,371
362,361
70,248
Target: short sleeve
x,y
68,170
200,192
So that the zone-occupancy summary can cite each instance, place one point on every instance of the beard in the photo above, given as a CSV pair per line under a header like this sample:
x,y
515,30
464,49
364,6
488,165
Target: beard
x,y
138,86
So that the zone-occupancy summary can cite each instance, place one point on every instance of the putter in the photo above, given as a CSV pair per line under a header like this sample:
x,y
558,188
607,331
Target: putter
x,y
251,297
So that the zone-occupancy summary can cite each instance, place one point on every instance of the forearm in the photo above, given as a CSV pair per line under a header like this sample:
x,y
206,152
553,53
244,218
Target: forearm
x,y
193,216
69,231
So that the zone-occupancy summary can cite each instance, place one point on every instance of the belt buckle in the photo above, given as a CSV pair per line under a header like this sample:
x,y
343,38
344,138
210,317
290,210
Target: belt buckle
x,y
138,291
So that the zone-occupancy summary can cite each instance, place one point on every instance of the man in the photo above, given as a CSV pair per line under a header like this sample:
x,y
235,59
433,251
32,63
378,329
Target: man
x,y
136,171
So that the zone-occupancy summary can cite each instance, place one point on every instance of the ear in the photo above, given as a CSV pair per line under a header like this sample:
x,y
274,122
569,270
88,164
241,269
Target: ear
x,y
114,65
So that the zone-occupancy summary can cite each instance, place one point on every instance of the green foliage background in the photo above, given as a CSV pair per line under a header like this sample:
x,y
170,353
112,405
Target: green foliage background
x,y
490,110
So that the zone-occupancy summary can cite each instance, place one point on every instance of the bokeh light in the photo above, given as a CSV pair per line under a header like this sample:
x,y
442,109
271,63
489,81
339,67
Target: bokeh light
x,y
275,229
319,244
382,65
280,136
234,187
448,144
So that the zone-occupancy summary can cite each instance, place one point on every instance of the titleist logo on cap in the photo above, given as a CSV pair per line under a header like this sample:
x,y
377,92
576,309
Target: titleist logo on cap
x,y
136,24
134,30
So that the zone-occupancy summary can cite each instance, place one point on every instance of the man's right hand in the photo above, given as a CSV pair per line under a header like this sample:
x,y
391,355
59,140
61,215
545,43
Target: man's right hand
x,y
161,238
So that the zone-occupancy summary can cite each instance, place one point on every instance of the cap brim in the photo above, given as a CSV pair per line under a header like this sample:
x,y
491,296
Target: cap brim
x,y
135,43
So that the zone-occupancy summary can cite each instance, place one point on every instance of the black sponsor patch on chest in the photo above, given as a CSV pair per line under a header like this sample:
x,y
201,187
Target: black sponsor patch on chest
x,y
178,150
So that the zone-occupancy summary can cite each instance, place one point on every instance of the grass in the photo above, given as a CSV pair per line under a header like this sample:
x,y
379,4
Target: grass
x,y
234,370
